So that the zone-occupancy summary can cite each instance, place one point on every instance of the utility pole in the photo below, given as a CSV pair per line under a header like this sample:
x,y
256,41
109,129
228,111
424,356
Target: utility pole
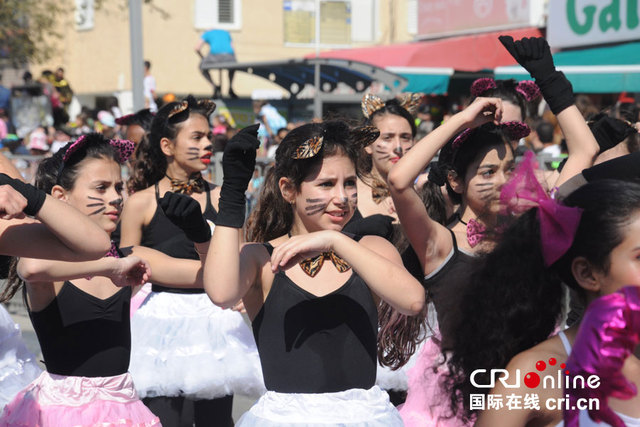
x,y
137,57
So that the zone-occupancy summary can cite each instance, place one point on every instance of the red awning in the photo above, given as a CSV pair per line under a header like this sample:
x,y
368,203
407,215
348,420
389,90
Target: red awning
x,y
465,53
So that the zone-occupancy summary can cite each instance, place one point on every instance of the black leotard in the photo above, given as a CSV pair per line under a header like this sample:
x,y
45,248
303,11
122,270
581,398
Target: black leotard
x,y
446,286
163,235
310,344
82,335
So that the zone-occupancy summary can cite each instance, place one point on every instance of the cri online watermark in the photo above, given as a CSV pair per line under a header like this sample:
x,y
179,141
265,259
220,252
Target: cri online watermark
x,y
483,379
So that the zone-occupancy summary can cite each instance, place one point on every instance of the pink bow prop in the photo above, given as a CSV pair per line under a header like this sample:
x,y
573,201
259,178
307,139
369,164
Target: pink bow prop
x,y
475,232
113,252
609,333
558,223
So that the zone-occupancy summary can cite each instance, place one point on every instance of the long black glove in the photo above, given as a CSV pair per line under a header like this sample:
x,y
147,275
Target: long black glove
x,y
375,225
35,197
624,168
609,131
238,164
534,55
184,211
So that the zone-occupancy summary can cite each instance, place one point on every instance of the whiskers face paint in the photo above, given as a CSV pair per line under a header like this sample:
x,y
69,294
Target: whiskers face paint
x,y
193,153
96,202
314,206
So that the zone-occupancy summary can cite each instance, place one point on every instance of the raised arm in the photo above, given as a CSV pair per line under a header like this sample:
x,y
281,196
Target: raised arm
x,y
431,240
534,55
63,232
228,273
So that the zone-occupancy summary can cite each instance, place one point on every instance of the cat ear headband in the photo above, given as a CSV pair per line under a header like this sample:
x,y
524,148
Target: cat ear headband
x,y
512,130
360,137
527,88
124,148
372,103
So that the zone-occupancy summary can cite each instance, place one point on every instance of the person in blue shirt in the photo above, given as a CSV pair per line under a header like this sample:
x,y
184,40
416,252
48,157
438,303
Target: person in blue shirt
x,y
220,50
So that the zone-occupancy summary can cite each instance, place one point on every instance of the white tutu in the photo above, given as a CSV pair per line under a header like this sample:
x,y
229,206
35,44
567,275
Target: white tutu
x,y
18,366
184,345
350,408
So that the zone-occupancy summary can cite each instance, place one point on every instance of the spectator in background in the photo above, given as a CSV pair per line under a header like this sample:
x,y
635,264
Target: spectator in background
x,y
63,87
545,133
424,121
5,96
107,125
4,123
136,125
219,125
279,136
149,85
38,142
61,137
269,118
220,51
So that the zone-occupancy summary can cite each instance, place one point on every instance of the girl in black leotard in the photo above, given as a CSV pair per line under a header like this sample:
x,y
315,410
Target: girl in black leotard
x,y
184,347
310,290
80,310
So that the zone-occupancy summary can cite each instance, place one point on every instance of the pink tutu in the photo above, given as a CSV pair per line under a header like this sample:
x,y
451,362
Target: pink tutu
x,y
139,297
427,403
60,401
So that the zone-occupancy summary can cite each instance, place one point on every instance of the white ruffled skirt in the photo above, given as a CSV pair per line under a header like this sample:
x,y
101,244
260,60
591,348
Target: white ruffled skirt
x,y
18,366
184,345
350,408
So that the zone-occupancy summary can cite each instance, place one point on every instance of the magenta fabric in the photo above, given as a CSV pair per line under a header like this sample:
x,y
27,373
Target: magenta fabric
x,y
558,223
609,333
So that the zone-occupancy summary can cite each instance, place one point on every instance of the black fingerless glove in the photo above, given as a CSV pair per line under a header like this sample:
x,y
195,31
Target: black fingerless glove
x,y
373,225
534,55
35,197
609,132
238,164
624,168
184,211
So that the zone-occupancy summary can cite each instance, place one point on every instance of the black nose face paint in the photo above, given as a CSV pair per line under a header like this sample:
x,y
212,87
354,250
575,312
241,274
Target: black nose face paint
x,y
96,202
116,202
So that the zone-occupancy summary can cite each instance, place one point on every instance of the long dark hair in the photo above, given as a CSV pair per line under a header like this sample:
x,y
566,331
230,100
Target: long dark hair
x,y
151,164
514,302
53,171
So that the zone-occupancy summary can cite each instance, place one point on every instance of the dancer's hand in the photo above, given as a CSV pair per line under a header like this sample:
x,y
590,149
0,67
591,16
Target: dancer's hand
x,y
238,164
184,211
534,54
483,110
299,248
35,197
130,271
12,203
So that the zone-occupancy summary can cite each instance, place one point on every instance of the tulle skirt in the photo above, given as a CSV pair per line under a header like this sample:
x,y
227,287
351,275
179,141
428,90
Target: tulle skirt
x,y
184,345
18,366
65,401
350,408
